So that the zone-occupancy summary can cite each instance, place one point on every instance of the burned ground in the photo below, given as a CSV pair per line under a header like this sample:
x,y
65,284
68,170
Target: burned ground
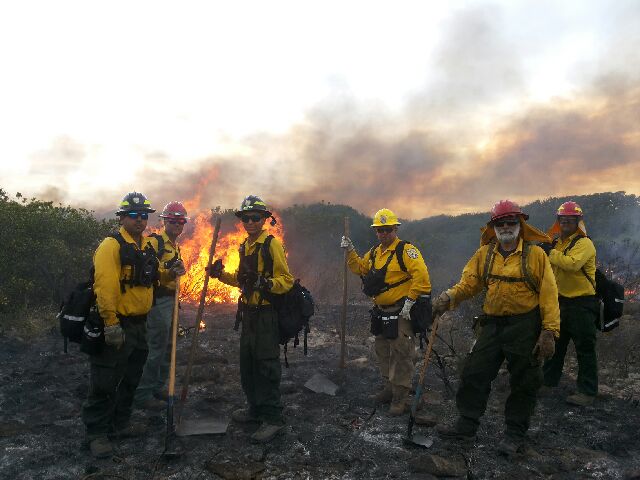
x,y
327,437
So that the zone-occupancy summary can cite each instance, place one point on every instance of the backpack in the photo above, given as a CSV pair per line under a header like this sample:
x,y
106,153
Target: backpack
x,y
526,277
294,308
80,321
373,283
609,292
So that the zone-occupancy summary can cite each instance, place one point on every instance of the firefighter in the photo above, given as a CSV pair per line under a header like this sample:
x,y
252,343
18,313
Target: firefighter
x,y
520,323
395,290
126,268
573,259
260,337
156,369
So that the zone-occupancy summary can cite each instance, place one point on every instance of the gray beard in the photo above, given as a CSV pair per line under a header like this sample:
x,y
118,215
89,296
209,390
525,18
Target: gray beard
x,y
507,237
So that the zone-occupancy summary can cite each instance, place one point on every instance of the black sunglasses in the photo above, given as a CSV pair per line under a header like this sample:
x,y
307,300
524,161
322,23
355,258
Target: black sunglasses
x,y
177,221
142,215
502,223
384,229
253,218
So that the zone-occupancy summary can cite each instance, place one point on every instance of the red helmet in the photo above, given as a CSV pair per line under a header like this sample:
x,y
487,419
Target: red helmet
x,y
570,209
174,210
505,208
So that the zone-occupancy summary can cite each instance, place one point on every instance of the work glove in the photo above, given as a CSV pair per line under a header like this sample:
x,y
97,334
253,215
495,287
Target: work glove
x,y
545,346
546,246
114,335
346,243
177,269
215,269
406,309
263,283
441,304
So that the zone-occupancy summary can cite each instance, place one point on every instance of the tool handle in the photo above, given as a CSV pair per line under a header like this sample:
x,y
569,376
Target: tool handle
x,y
203,297
345,291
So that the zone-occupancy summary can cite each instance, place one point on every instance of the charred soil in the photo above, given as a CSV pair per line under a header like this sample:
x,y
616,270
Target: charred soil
x,y
326,437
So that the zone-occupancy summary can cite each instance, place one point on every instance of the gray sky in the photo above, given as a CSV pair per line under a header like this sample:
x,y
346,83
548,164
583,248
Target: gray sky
x,y
423,107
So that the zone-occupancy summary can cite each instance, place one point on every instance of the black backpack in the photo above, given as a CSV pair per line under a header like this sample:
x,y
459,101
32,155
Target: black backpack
x,y
80,321
373,283
609,292
294,308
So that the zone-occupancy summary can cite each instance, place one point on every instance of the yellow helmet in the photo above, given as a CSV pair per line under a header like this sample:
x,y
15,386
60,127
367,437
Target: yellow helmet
x,y
384,218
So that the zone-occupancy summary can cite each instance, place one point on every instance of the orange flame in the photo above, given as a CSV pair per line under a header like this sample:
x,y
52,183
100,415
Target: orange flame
x,y
195,254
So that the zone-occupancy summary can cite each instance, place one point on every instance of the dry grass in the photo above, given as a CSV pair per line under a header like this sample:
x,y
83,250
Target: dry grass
x,y
28,322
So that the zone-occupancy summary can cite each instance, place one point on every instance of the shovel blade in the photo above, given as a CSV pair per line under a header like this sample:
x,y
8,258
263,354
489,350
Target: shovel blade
x,y
418,440
203,426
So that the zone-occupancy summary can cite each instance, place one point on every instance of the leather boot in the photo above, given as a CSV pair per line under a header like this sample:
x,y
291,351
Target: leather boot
x,y
267,432
385,395
101,447
399,401
243,415
462,429
580,399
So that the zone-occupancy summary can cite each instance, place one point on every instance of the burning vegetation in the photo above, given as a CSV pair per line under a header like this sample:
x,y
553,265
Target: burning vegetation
x,y
195,253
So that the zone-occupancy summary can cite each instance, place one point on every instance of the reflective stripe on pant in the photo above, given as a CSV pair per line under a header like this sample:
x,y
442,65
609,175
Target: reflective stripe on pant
x,y
577,323
511,338
114,377
260,364
395,357
156,368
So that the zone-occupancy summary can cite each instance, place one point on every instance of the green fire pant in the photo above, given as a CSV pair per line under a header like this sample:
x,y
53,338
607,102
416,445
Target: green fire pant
x,y
156,368
395,357
114,377
512,338
260,363
577,323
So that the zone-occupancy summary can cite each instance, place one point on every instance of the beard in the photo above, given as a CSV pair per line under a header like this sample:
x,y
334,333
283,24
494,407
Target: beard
x,y
507,237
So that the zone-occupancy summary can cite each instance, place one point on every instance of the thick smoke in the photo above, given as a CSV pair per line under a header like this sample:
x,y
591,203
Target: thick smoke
x,y
426,159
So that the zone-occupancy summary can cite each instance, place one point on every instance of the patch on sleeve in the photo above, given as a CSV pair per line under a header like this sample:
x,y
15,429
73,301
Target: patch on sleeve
x,y
413,253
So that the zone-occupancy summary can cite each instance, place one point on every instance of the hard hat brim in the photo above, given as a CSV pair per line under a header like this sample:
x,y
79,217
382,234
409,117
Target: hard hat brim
x,y
266,213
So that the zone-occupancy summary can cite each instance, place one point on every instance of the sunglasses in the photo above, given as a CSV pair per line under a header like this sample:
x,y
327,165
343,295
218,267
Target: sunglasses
x,y
384,229
502,223
142,215
177,221
253,218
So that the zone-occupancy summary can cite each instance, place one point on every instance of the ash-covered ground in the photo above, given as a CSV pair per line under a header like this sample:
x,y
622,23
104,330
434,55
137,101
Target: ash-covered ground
x,y
327,437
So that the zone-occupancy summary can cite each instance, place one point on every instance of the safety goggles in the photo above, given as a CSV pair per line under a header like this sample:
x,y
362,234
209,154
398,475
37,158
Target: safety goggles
x,y
177,221
508,223
566,219
142,215
253,218
384,229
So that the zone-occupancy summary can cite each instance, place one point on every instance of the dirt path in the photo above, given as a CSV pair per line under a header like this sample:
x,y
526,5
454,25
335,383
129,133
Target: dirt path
x,y
41,434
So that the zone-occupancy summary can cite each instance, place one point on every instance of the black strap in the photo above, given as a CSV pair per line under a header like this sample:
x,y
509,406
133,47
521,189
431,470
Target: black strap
x,y
400,254
569,247
524,267
161,248
267,259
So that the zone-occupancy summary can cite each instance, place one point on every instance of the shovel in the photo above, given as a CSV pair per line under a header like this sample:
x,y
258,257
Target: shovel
x,y
200,426
418,439
172,449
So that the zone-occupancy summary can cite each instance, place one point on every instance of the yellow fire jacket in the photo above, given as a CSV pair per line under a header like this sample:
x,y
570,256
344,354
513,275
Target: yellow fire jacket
x,y
511,298
106,285
417,273
282,279
170,251
568,268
